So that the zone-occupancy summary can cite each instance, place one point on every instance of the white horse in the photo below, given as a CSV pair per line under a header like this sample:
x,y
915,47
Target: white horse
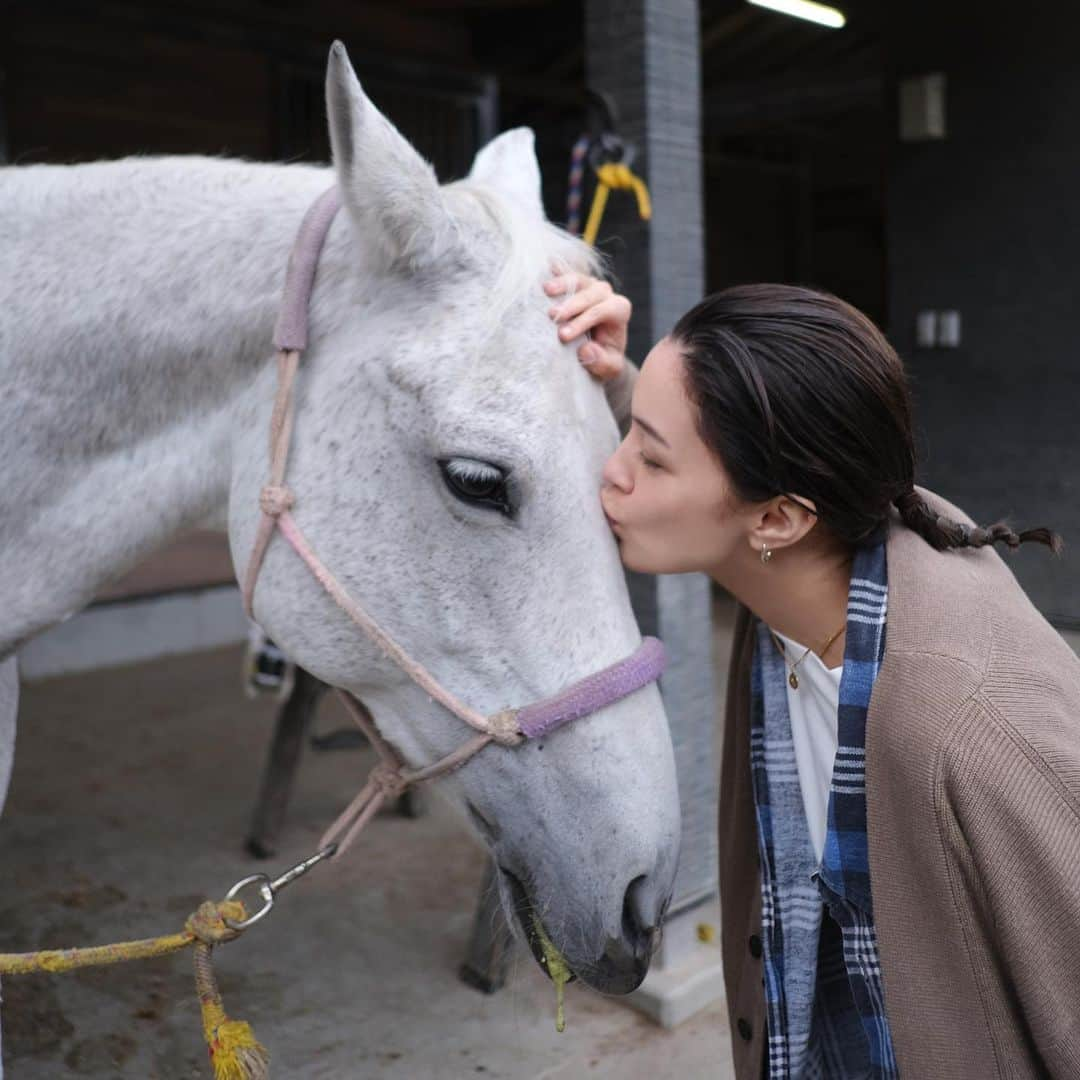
x,y
446,461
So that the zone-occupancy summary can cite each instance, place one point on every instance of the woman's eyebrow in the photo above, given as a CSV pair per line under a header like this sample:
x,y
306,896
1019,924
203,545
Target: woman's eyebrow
x,y
650,430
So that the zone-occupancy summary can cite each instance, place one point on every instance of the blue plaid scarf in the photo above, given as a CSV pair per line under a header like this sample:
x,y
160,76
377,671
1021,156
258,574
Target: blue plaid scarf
x,y
823,989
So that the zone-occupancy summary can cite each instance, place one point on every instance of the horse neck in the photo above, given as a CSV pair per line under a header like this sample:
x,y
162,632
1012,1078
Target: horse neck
x,y
137,301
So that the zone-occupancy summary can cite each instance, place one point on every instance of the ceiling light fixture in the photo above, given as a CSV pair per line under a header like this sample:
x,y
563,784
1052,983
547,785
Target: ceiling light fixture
x,y
806,9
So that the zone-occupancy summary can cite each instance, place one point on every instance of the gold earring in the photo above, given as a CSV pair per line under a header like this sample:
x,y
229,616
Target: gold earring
x,y
766,554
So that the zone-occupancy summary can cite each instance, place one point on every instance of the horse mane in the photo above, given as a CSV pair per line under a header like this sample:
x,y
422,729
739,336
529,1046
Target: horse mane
x,y
534,248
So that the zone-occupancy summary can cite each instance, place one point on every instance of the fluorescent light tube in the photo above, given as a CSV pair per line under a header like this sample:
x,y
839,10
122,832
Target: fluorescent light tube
x,y
806,9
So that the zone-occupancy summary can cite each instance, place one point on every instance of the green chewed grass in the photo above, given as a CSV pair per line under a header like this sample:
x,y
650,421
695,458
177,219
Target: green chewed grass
x,y
557,968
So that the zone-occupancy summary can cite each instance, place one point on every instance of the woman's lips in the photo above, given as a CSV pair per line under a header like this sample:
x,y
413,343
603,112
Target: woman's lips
x,y
612,523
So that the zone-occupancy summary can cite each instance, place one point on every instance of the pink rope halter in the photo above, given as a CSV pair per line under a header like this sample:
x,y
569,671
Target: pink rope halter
x,y
508,727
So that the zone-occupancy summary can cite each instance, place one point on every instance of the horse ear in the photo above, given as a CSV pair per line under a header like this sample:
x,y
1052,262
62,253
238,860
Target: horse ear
x,y
390,191
508,165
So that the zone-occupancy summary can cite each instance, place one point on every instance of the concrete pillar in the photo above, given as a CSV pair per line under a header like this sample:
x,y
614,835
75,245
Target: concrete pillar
x,y
645,54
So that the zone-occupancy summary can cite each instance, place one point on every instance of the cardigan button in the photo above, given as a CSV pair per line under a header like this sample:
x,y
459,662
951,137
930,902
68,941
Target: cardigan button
x,y
745,1030
755,946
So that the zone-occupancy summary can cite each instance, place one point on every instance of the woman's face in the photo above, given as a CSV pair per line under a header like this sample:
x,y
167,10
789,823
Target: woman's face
x,y
667,498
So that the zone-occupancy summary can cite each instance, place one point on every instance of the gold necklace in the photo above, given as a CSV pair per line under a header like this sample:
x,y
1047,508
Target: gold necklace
x,y
793,678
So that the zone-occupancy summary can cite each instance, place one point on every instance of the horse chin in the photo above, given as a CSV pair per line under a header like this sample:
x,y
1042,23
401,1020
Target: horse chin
x,y
615,972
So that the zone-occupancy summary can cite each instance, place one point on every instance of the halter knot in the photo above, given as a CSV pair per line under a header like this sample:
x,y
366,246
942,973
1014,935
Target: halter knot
x,y
275,499
388,780
207,922
503,727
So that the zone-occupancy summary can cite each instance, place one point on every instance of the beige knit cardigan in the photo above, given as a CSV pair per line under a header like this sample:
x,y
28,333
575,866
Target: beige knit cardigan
x,y
973,818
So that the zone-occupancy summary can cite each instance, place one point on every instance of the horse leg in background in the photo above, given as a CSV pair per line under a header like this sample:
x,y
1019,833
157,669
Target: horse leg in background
x,y
293,721
488,957
9,707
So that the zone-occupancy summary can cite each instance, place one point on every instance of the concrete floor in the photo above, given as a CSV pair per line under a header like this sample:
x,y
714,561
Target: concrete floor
x,y
129,804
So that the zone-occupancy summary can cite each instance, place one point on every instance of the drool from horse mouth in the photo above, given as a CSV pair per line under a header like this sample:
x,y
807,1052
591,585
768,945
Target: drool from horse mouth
x,y
547,956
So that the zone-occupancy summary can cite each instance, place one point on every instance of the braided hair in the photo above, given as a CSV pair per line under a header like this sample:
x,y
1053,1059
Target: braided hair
x,y
942,532
798,392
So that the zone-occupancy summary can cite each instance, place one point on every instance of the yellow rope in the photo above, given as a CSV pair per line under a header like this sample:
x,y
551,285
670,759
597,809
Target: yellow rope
x,y
234,1052
615,175
58,961
206,923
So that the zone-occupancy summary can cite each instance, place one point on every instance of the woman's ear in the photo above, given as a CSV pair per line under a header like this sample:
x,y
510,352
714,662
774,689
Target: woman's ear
x,y
782,522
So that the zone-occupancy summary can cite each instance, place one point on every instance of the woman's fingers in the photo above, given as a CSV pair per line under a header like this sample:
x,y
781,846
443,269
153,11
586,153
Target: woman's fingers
x,y
570,281
609,314
584,306
601,363
592,293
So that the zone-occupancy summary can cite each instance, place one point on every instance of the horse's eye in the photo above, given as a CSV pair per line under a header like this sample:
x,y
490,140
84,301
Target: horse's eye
x,y
477,482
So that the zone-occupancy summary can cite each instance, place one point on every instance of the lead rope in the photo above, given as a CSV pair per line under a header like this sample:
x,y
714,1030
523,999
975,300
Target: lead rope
x,y
235,1053
388,779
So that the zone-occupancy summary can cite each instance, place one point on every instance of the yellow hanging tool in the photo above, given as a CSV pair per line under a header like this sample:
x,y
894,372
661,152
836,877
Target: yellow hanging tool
x,y
610,175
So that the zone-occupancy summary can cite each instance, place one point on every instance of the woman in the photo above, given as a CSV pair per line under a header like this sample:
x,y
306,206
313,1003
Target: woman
x,y
900,788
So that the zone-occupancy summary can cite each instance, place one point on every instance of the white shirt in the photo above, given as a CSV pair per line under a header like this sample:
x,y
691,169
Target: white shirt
x,y
814,710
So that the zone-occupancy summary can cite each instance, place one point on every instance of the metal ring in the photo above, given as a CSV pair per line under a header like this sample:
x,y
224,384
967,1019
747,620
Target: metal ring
x,y
265,891
607,148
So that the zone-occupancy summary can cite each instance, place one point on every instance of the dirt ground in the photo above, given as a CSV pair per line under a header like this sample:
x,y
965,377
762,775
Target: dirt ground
x,y
129,805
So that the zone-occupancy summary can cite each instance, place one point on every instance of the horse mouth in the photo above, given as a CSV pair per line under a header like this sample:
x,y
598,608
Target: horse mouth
x,y
528,919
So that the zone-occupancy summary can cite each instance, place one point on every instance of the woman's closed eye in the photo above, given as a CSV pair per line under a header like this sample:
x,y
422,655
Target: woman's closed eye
x,y
648,461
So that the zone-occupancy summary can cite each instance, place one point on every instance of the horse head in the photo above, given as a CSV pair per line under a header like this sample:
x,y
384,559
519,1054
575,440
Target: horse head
x,y
446,460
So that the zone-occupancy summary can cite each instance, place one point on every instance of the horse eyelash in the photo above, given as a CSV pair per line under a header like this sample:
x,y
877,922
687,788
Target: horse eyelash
x,y
468,469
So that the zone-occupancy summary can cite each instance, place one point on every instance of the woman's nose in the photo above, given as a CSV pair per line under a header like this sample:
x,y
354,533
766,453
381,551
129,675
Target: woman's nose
x,y
616,472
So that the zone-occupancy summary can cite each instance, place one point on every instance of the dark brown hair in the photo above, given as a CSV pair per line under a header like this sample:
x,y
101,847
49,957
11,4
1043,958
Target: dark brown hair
x,y
798,392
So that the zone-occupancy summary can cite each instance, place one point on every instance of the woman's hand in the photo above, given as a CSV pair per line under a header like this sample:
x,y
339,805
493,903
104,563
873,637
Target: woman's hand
x,y
585,305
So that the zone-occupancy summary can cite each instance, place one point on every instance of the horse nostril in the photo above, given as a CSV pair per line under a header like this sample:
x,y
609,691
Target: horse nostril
x,y
643,911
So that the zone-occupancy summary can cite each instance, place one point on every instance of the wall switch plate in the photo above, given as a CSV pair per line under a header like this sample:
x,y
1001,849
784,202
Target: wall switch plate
x,y
922,107
926,329
948,330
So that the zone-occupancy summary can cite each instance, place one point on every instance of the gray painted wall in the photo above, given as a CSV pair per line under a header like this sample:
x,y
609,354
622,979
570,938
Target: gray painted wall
x,y
987,221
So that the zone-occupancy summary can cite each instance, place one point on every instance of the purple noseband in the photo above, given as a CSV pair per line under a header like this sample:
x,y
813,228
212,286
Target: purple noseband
x,y
594,691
